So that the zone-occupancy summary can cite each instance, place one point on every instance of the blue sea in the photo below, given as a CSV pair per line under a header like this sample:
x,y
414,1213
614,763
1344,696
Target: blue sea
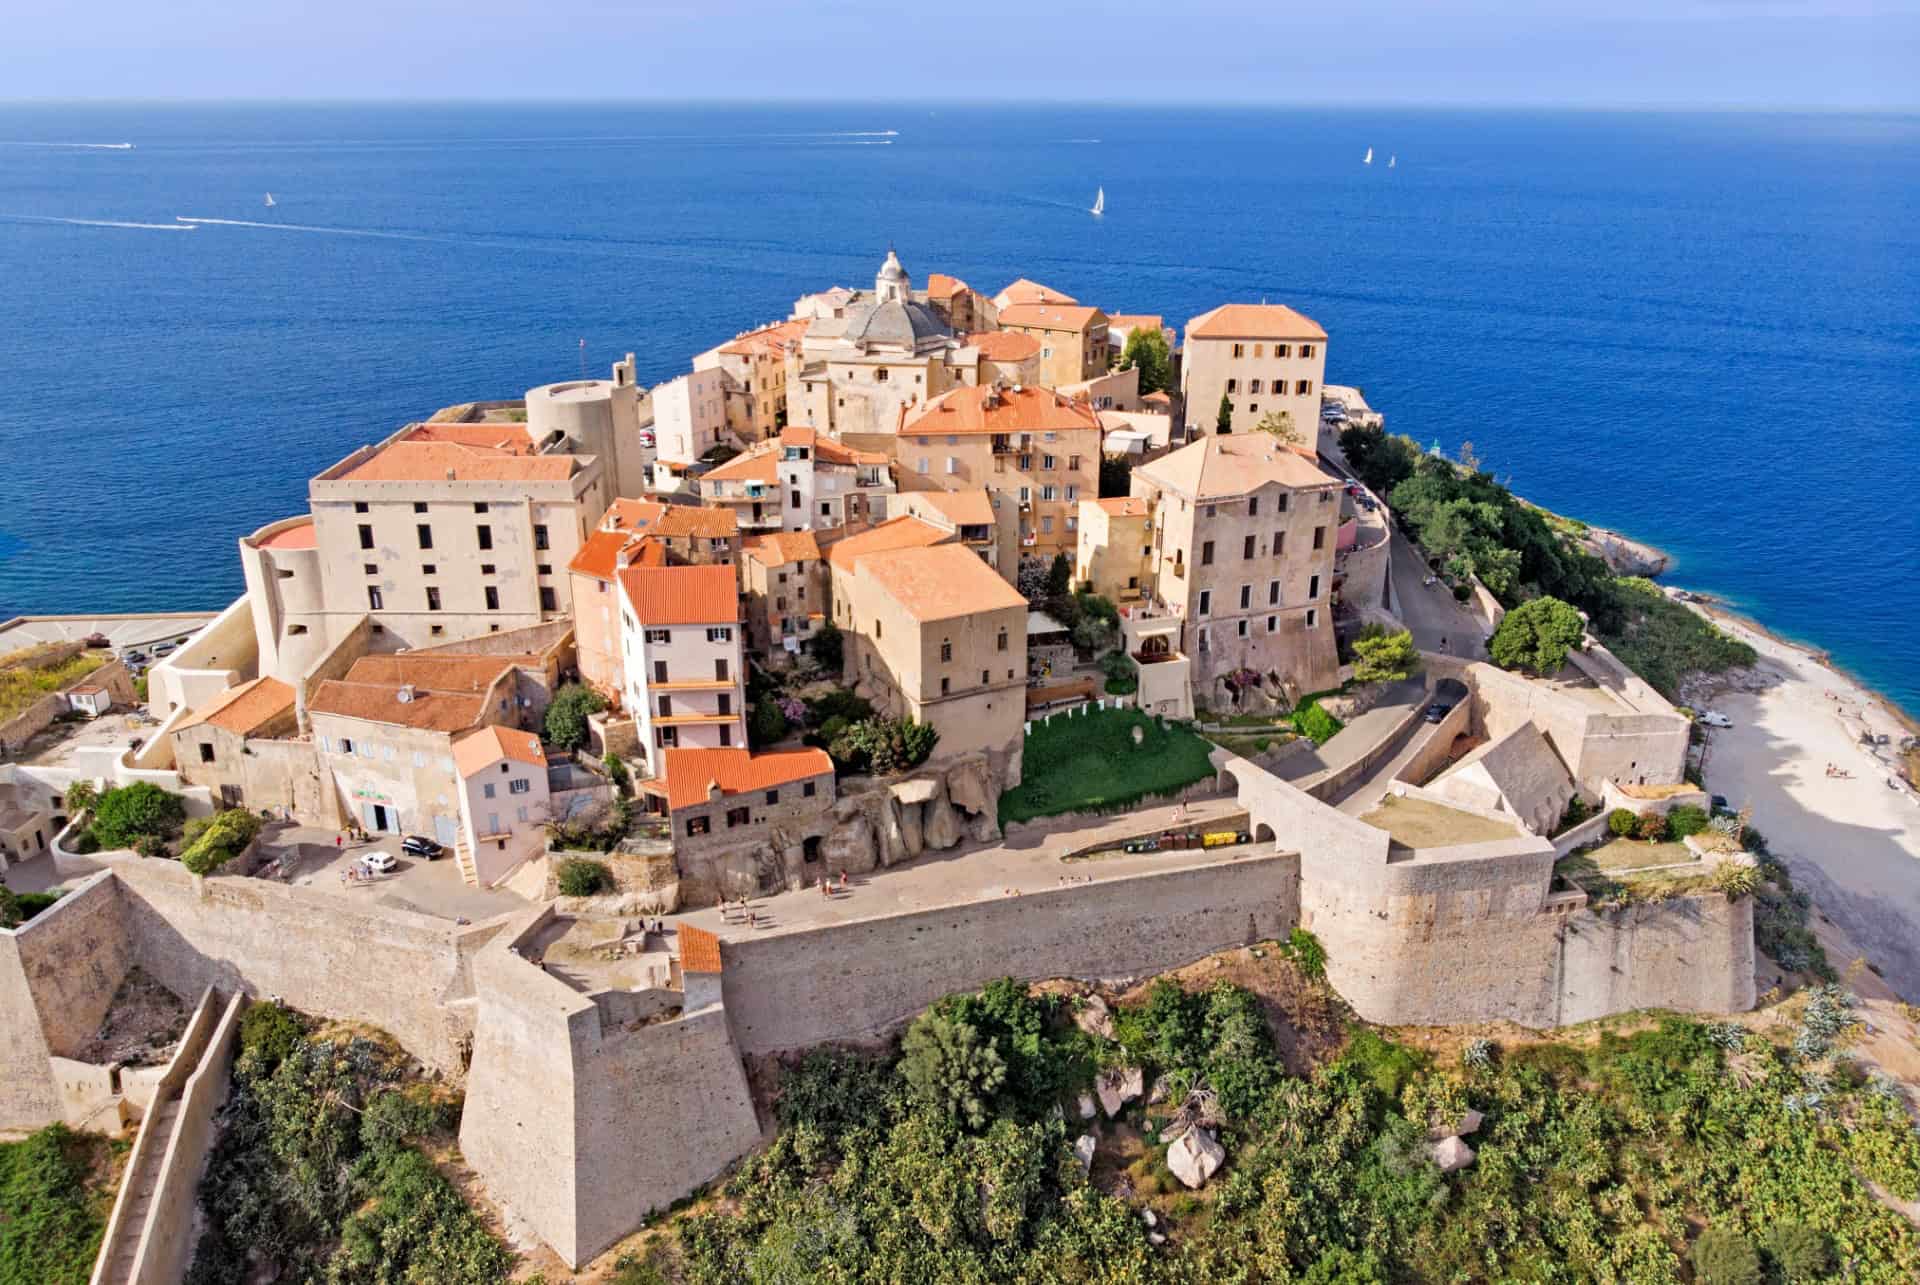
x,y
1701,329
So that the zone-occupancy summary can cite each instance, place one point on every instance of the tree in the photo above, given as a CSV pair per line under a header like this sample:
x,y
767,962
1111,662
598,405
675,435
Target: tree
x,y
828,647
1621,822
949,1067
1223,421
81,795
1116,476
1537,636
10,915
1381,461
222,839
883,745
1059,577
1147,352
128,813
767,724
1722,1256
567,715
1381,657
580,877
1280,424
1799,1252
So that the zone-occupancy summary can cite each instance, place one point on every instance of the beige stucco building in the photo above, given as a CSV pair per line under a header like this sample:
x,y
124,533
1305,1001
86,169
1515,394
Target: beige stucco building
x,y
784,585
690,416
1266,358
681,655
754,368
1114,556
1243,531
504,800
1073,339
804,481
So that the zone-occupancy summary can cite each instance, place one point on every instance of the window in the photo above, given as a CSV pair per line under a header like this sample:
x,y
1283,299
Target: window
x,y
1253,385
720,634
1313,617
1273,624
666,706
1046,525
487,790
493,598
1233,386
1313,586
1246,547
1026,495
1273,592
296,630
880,376
659,671
419,506
429,569
366,536
946,650
480,506
374,602
1206,554
808,790
437,630
1242,629
1239,350
1279,543
1048,462
1026,462
946,685
539,536
1319,537
543,568
1001,642
1280,503
659,635
726,703
1073,463
1073,523
1306,350
522,811
425,533
519,785
359,506
371,568
985,678
206,752
1253,506
793,497
433,598
549,601
720,669
1304,387
920,465
1206,601
699,825
486,568
346,745
738,816
1049,492
1246,596
1073,493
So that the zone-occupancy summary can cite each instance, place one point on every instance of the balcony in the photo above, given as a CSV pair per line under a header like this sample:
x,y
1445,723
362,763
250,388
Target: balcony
x,y
694,720
692,685
758,521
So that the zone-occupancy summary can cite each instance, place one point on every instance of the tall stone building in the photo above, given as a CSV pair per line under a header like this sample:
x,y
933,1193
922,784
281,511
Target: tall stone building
x,y
1265,358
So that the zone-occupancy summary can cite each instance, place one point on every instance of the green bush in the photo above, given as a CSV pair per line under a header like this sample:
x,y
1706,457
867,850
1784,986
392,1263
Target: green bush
x,y
884,746
578,877
1686,819
80,796
766,725
1621,822
951,1069
827,647
1314,723
127,813
617,771
1722,1256
1536,636
1306,952
841,703
1662,640
268,1032
224,836
1651,826
1381,657
1123,676
51,1219
1799,1252
566,721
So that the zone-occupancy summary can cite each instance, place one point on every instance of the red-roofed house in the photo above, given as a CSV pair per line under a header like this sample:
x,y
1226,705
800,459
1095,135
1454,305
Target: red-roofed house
x,y
755,365
1073,338
783,578
725,804
804,481
1265,358
680,651
504,801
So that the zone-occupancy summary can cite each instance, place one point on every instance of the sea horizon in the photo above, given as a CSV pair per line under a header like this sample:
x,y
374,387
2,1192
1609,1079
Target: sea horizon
x,y
1691,325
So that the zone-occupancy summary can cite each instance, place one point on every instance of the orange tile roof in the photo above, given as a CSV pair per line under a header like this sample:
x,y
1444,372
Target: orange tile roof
x,y
778,548
1004,345
441,671
1049,316
983,408
1025,291
654,518
510,439
480,749
431,461
754,466
942,286
1233,464
1124,506
682,595
699,950
1161,396
1254,321
599,554
896,533
939,583
768,340
381,703
242,709
1136,320
690,772
798,435
630,515
301,536
962,508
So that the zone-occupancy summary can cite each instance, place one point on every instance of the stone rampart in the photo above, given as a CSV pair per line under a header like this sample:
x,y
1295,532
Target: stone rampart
x,y
1694,954
800,988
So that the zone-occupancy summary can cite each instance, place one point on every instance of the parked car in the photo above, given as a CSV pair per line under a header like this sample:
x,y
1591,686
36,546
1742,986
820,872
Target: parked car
x,y
1143,845
98,640
419,845
1436,712
166,649
1713,718
135,658
1719,802
379,863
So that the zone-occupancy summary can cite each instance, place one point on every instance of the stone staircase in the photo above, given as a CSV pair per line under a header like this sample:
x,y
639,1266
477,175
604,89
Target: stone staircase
x,y
463,856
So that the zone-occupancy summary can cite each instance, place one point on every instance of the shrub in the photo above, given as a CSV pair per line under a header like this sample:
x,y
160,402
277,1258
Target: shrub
x,y
1381,657
766,724
1578,810
1315,723
1059,577
828,647
1685,820
1621,822
224,836
1799,1252
579,877
1123,677
80,796
617,771
268,1033
1537,635
10,916
566,721
1722,1256
127,813
1651,826
841,703
1735,880
949,1068
1306,952
49,1230
150,845
884,745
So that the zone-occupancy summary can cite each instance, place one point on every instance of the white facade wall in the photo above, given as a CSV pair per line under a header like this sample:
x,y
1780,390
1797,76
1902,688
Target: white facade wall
x,y
503,808
703,689
690,415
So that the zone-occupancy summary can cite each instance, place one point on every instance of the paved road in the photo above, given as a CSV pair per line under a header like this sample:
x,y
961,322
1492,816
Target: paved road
x,y
1437,621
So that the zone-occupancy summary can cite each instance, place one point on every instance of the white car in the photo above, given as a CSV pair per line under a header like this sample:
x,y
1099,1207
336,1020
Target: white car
x,y
379,863
1714,719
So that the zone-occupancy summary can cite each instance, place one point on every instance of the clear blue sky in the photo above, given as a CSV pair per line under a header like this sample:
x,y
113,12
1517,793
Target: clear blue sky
x,y
1749,53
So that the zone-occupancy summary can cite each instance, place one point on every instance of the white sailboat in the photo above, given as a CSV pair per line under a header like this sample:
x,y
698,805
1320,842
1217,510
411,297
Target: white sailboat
x,y
1099,202
1392,161
1368,158
269,200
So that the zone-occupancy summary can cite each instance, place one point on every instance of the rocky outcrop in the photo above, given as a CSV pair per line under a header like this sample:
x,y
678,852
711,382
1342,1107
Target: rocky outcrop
x,y
1623,556
1452,1154
941,827
1117,1087
1094,1017
1196,1157
1083,1147
850,845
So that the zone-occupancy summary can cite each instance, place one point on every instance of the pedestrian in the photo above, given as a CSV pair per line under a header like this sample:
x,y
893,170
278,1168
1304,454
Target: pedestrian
x,y
825,891
339,841
843,881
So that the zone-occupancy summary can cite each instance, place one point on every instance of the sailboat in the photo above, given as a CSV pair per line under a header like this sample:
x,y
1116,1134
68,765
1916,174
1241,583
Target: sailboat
x,y
269,200
1391,161
1368,158
1099,202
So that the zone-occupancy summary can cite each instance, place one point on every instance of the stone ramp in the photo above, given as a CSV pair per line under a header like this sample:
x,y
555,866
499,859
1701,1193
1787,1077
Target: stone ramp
x,y
146,1238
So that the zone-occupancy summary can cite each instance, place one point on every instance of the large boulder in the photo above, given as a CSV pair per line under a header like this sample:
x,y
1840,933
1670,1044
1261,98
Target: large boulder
x,y
1085,1106
970,786
912,835
850,846
1117,1087
1083,1147
893,839
1094,1017
1195,1157
942,828
1451,1154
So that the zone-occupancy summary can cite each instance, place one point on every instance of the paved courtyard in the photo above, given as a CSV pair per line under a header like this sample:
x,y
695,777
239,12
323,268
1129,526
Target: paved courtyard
x,y
311,860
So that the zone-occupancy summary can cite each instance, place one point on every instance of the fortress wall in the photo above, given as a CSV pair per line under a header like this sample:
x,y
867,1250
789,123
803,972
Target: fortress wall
x,y
318,952
1648,749
28,1095
797,989
1439,747
1694,954
73,956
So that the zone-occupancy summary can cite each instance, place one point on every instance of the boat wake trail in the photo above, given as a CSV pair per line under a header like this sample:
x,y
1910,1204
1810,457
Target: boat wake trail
x,y
182,220
99,223
90,147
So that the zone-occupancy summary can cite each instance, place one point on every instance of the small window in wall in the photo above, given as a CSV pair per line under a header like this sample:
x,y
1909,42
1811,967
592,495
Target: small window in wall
x,y
295,631
549,601
661,636
371,568
726,738
1273,624
808,789
374,601
1206,601
1002,641
946,685
366,536
1243,629
1313,586
773,796
429,569
738,816
1246,548
480,506
433,598
946,650
485,535
519,785
1319,537
425,532
1313,617
206,752
493,598
437,630
539,536
699,825
346,745
359,506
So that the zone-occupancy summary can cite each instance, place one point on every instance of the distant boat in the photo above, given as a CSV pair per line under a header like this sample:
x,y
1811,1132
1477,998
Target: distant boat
x,y
1368,158
1099,202
269,200
1391,160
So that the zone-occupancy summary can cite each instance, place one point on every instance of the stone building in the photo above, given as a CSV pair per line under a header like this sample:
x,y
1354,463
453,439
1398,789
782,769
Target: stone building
x,y
974,518
958,304
689,534
690,415
1031,447
803,481
210,748
753,368
783,579
743,823
680,652
1024,291
1264,357
1243,533
1073,339
1006,356
1114,556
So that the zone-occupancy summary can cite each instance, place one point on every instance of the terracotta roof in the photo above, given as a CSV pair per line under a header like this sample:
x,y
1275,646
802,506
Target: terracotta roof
x,y
836,452
983,408
778,548
798,435
441,671
629,515
1160,397
654,518
242,709
682,595
755,466
942,286
1124,506
1253,321
939,583
962,508
301,536
1025,291
482,748
1048,316
435,461
600,553
897,533
510,439
1136,320
1233,464
768,340
690,772
381,703
699,950
1004,345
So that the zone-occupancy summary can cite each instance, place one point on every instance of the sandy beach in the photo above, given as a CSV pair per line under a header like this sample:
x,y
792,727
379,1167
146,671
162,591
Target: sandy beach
x,y
1852,842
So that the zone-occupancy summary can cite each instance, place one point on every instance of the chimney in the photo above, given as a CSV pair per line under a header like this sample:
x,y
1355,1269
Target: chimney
x,y
405,694
450,475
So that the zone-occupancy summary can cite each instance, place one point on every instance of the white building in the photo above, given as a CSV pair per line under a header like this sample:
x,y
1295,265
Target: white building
x,y
504,799
680,641
690,415
1264,358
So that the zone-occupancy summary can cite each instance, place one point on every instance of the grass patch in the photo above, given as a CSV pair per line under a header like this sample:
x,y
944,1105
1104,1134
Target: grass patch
x,y
22,683
1421,823
1089,762
1664,641
55,1194
1624,855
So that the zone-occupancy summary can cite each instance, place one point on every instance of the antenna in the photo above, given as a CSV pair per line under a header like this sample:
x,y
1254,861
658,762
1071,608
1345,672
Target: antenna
x,y
583,359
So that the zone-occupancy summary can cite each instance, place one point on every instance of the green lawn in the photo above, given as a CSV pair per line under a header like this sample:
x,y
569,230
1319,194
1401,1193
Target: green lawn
x,y
1089,762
